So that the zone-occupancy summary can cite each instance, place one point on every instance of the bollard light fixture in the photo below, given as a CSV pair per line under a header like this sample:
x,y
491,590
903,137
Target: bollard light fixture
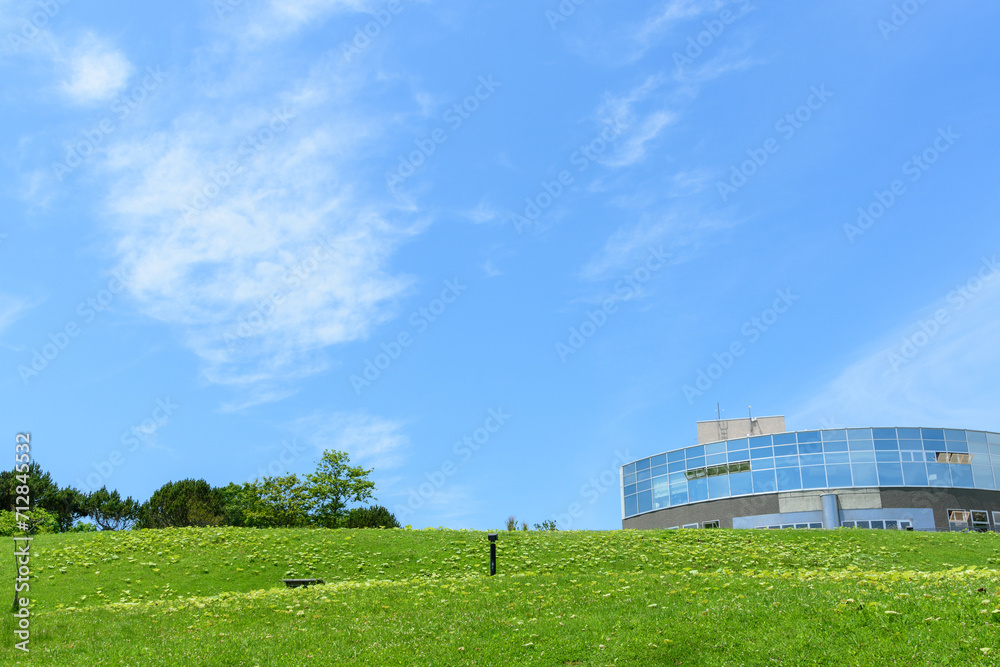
x,y
493,553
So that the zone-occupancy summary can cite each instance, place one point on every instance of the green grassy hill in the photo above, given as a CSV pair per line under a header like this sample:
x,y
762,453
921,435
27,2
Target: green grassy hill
x,y
702,597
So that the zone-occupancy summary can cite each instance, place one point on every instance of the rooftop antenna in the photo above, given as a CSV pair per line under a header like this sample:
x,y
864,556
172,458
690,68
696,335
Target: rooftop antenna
x,y
720,418
752,420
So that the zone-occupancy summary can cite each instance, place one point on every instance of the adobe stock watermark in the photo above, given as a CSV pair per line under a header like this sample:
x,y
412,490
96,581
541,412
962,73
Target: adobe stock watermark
x,y
786,126
123,106
550,191
265,309
899,17
456,114
752,330
593,490
363,35
714,27
915,168
465,449
87,310
32,26
290,453
625,289
563,11
419,320
928,329
136,435
252,146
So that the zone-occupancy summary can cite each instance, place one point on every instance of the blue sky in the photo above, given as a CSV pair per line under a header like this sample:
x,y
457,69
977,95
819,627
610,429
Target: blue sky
x,y
489,249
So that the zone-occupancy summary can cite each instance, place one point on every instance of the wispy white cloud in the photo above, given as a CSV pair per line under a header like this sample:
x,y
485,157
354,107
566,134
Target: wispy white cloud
x,y
94,71
371,441
262,23
11,308
641,114
889,385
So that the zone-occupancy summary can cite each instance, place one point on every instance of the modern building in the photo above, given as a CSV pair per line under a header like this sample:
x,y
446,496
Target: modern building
x,y
751,473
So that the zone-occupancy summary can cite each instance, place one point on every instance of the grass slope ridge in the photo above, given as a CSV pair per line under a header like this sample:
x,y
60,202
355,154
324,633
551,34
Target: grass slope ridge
x,y
213,596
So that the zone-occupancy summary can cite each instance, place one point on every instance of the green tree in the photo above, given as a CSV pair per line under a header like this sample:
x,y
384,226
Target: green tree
x,y
335,484
274,502
110,511
189,502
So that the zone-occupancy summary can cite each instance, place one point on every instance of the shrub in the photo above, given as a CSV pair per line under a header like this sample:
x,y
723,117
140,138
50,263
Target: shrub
x,y
370,517
45,522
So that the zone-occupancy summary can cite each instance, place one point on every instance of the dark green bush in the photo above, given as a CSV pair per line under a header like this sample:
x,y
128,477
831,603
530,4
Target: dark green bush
x,y
370,517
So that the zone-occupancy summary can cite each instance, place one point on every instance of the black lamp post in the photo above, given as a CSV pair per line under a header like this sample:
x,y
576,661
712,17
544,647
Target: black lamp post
x,y
493,553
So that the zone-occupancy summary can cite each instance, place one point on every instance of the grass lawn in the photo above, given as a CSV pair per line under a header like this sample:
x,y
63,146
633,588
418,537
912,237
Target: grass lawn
x,y
213,596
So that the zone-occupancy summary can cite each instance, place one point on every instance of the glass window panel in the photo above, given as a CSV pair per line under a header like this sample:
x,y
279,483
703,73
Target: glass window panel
x,y
763,481
658,471
661,496
908,433
739,455
696,463
733,445
786,461
811,459
932,434
631,505
836,446
718,487
677,466
982,476
863,524
785,450
840,434
934,445
860,445
629,469
979,448
760,441
993,438
914,474
715,448
862,457
642,474
952,434
961,475
761,464
808,436
658,460
864,474
886,457
740,483
784,438
813,477
975,436
930,457
878,525
761,453
630,490
859,434
884,433
645,501
698,489
715,459
678,497
644,485
838,457
694,452
994,450
629,479
905,456
839,475
642,465
676,455
911,445
810,447
890,474
958,447
789,479
886,444
938,474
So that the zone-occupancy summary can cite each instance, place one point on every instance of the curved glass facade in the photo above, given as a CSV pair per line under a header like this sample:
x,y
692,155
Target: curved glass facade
x,y
841,458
